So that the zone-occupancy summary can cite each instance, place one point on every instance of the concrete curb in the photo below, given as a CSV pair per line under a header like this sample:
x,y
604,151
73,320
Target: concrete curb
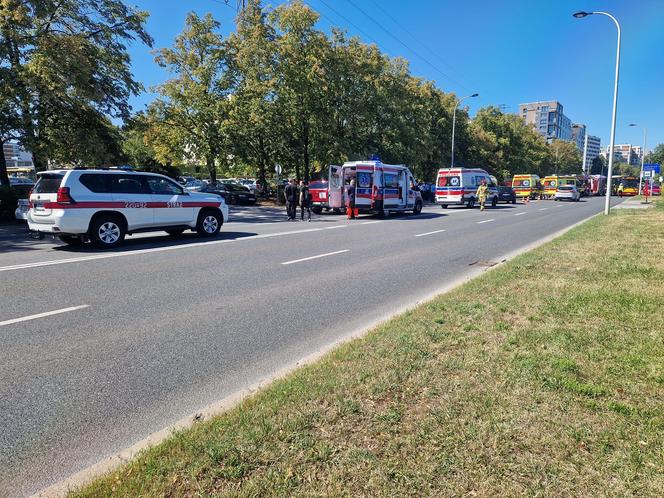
x,y
107,465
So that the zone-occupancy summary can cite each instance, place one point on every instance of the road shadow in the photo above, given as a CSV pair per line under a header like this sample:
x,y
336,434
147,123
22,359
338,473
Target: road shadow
x,y
411,216
158,240
15,237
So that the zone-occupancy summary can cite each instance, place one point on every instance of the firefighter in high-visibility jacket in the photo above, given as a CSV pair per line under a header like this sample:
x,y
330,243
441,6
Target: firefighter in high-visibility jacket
x,y
482,192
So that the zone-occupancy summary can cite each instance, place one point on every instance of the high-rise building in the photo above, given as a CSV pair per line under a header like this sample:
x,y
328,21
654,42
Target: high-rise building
x,y
626,153
592,150
548,119
16,156
579,136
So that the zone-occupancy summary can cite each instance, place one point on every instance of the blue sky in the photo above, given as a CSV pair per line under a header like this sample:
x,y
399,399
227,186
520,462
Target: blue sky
x,y
510,51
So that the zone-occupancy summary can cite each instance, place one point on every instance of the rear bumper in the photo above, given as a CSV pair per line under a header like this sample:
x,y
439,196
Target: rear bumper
x,y
60,222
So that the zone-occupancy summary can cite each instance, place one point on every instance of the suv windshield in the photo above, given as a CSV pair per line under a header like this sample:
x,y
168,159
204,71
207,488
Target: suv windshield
x,y
318,185
48,183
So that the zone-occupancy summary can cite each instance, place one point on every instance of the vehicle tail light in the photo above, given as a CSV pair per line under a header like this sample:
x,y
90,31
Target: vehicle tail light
x,y
30,206
63,196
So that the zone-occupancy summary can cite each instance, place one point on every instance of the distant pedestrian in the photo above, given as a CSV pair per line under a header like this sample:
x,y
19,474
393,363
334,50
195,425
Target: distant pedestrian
x,y
351,211
290,193
305,200
482,192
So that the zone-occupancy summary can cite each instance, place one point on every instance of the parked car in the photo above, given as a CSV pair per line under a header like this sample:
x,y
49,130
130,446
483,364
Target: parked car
x,y
105,205
567,192
252,185
239,194
22,207
506,194
194,185
656,189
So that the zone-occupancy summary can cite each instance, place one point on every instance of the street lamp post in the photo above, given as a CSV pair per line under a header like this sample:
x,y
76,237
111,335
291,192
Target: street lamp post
x,y
643,155
454,122
609,173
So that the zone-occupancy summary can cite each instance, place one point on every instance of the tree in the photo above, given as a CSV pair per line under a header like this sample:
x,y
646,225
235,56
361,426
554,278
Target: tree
x,y
138,152
656,156
300,77
69,69
253,124
189,119
565,157
503,143
598,166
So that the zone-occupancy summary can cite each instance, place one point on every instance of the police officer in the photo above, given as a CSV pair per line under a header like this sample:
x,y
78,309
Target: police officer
x,y
305,200
290,193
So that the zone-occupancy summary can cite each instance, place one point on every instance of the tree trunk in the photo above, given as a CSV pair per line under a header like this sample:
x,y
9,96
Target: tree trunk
x,y
212,168
262,162
306,153
4,177
39,162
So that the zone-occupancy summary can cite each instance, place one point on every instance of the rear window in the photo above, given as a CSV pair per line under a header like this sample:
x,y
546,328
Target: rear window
x,y
565,188
48,183
449,181
318,185
549,183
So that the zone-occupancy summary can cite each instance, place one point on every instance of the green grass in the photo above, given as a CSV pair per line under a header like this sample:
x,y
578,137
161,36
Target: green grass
x,y
543,377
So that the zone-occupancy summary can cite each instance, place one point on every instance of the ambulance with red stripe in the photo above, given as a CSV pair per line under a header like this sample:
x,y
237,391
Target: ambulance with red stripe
x,y
379,188
458,186
105,205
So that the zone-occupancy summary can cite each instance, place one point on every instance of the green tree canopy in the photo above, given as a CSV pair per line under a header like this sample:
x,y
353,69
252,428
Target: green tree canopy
x,y
69,69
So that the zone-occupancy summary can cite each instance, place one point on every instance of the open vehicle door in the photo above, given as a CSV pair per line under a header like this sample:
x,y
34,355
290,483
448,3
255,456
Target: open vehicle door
x,y
335,187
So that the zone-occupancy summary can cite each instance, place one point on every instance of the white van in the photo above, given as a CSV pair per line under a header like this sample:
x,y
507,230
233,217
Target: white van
x,y
458,186
379,188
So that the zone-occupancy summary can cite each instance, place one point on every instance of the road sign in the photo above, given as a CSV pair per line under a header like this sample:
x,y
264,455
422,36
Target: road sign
x,y
651,167
277,169
646,173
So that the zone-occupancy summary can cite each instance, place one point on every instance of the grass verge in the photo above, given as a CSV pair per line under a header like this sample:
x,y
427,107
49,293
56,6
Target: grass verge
x,y
543,377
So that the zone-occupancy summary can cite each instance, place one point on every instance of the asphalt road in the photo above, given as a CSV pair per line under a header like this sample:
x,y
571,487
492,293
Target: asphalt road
x,y
166,327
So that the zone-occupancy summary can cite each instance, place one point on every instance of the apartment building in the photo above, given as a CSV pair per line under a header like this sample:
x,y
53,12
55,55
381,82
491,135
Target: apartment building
x,y
548,118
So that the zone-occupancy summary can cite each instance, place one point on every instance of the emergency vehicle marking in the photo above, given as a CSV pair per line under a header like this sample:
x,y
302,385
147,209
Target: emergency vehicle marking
x,y
129,205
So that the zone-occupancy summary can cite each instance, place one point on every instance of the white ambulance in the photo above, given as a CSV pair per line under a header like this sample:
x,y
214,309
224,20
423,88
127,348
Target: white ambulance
x,y
458,186
379,188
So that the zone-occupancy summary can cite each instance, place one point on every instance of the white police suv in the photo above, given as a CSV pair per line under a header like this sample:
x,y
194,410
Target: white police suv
x,y
105,205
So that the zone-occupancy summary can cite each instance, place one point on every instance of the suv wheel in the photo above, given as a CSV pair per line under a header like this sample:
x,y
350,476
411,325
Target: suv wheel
x,y
107,231
471,202
418,208
209,223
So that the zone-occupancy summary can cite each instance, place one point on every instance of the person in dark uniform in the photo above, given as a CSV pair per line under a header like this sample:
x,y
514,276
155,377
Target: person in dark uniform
x,y
305,200
290,192
351,210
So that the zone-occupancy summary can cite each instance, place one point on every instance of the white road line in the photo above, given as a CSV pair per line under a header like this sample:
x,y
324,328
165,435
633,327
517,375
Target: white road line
x,y
485,221
42,315
370,222
520,214
159,249
543,209
315,257
429,233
